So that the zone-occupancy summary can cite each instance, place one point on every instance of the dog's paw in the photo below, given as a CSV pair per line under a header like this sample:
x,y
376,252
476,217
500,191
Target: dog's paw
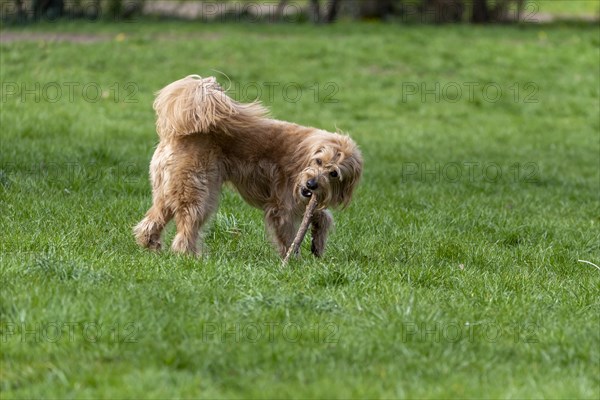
x,y
155,245
316,250
149,242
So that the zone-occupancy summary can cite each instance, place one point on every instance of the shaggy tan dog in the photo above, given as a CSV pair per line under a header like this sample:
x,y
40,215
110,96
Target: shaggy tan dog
x,y
207,139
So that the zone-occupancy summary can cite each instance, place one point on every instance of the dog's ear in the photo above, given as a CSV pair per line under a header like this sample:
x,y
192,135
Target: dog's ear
x,y
351,170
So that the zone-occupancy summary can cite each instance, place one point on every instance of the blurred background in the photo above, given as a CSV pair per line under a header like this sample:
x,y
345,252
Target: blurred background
x,y
316,11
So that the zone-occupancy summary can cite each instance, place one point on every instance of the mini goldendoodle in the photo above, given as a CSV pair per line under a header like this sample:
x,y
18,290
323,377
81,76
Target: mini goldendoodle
x,y
207,139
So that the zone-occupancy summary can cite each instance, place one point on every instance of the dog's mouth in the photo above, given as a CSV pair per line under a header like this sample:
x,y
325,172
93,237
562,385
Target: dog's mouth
x,y
306,192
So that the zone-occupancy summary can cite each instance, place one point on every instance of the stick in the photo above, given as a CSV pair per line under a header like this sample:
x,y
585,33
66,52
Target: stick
x,y
310,208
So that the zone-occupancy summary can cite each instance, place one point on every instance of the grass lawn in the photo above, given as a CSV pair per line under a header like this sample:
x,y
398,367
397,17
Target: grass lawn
x,y
565,7
454,273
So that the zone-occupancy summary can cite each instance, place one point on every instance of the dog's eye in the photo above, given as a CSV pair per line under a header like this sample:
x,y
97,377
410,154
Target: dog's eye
x,y
318,161
333,174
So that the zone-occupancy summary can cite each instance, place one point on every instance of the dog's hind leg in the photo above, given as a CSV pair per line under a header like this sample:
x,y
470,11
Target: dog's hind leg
x,y
197,199
321,222
148,231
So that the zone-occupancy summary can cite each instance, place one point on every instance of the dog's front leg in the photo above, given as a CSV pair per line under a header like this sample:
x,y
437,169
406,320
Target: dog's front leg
x,y
321,222
280,225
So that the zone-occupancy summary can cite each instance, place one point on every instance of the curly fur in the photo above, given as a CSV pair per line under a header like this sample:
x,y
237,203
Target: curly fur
x,y
208,139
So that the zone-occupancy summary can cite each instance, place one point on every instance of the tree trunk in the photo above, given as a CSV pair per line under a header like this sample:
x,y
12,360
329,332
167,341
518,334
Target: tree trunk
x,y
443,11
378,9
21,14
502,12
50,9
315,11
280,9
332,11
481,13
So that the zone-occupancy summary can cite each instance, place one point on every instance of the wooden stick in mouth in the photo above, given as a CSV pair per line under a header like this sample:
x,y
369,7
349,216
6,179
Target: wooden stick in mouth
x,y
294,248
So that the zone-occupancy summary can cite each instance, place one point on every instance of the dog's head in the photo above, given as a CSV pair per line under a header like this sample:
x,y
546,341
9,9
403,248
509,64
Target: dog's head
x,y
332,167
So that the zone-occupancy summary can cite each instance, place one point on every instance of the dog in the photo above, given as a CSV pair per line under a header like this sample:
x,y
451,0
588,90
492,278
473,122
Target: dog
x,y
207,139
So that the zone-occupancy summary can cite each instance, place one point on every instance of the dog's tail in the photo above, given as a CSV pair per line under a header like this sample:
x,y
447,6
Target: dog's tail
x,y
198,105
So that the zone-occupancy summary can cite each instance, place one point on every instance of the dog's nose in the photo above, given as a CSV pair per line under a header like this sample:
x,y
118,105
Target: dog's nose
x,y
312,184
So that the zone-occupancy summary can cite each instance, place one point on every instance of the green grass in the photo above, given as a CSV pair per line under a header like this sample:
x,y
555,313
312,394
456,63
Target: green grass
x,y
566,7
433,285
